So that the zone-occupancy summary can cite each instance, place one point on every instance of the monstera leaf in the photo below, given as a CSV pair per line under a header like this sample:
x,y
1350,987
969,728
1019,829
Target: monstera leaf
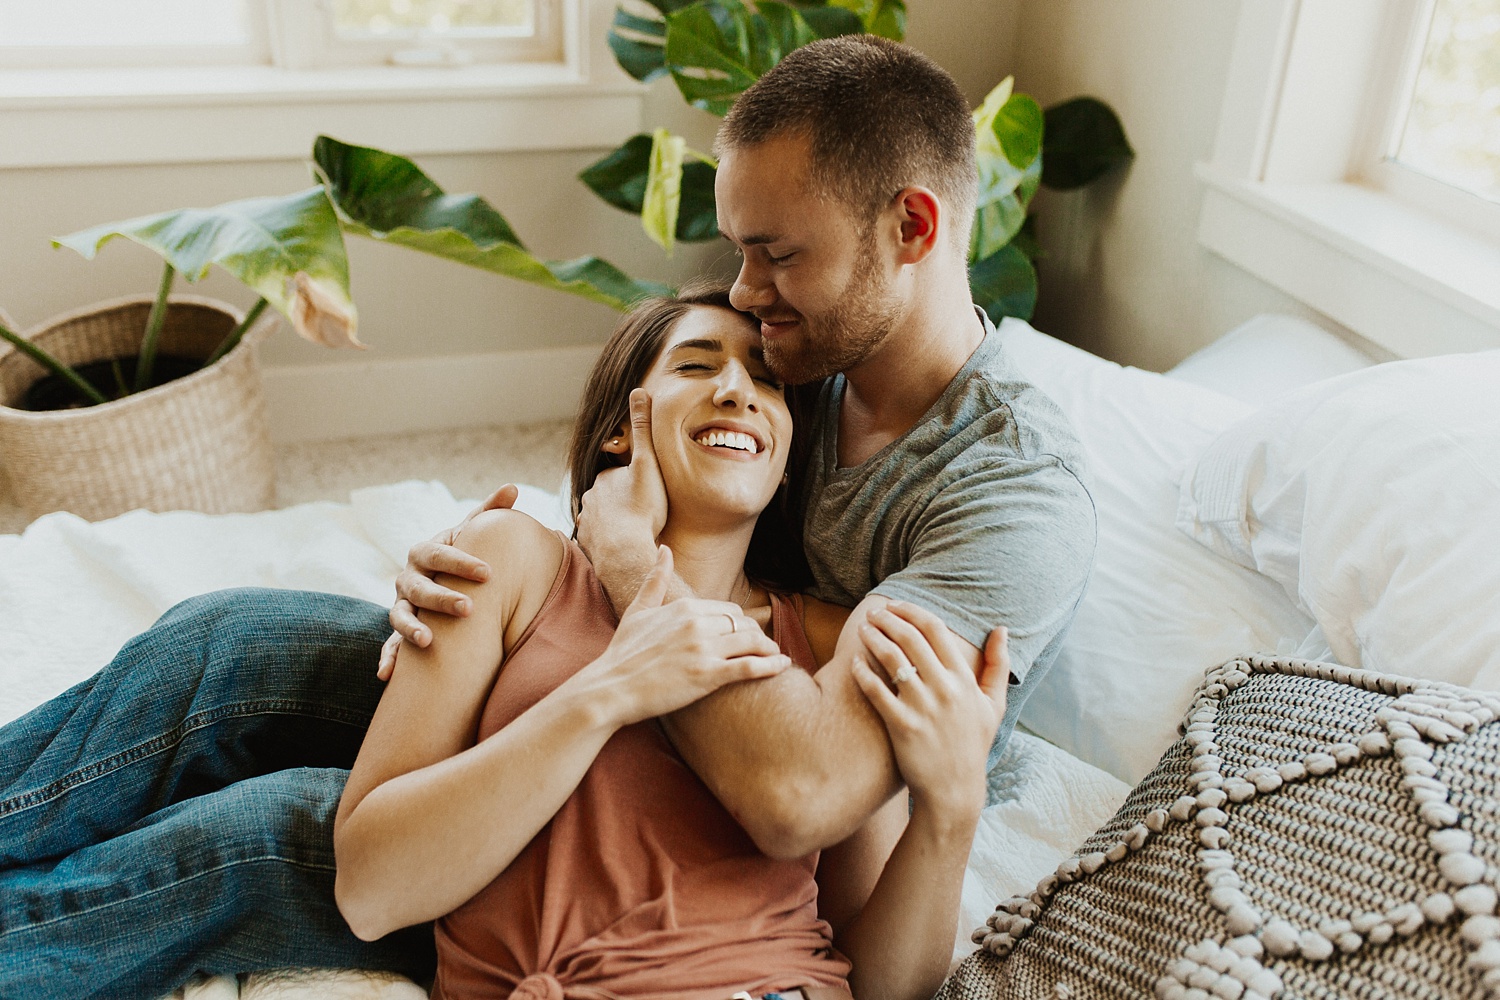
x,y
639,39
388,198
1008,155
289,249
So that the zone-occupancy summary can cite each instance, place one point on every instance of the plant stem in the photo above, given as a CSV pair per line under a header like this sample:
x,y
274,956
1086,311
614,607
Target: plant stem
x,y
158,318
233,337
53,365
119,374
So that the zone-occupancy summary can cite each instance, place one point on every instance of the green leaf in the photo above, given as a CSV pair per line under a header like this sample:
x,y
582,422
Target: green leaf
x,y
1004,284
261,241
1018,129
1005,189
638,44
620,179
886,18
663,188
388,198
709,53
830,21
1084,140
717,48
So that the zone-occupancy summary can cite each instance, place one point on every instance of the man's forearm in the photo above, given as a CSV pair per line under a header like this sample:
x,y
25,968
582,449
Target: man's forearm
x,y
800,760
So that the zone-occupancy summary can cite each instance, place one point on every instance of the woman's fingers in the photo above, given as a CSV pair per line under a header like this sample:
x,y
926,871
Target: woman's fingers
x,y
946,647
426,594
994,672
408,626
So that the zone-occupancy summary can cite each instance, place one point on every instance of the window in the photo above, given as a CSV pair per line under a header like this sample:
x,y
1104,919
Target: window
x,y
1339,118
1449,124
292,34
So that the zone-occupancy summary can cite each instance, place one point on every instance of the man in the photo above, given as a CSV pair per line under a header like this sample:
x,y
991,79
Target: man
x,y
934,475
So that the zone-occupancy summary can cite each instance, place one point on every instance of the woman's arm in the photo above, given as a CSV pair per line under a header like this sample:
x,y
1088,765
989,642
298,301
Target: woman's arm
x,y
941,722
429,818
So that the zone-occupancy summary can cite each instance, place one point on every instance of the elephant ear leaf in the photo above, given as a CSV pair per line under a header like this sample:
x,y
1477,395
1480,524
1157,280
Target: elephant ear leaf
x,y
1009,138
886,18
1004,284
387,197
280,246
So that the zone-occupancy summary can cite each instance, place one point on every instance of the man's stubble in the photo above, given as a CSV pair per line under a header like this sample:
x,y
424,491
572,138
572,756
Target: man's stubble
x,y
856,324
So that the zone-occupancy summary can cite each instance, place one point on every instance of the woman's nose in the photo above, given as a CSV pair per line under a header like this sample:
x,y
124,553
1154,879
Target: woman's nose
x,y
735,387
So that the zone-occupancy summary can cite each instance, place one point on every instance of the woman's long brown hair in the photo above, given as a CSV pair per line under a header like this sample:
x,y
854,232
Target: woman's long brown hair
x,y
776,558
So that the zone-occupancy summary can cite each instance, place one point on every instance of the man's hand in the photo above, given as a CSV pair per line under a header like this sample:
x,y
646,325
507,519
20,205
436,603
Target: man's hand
x,y
624,511
940,717
415,587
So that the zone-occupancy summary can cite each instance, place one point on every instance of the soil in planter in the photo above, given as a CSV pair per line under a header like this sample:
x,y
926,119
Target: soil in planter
x,y
53,393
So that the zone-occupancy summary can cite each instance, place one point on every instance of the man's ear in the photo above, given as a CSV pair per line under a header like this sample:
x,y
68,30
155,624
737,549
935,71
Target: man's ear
x,y
618,444
918,212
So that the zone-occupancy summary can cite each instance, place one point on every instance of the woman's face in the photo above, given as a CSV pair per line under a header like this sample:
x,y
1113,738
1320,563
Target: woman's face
x,y
719,420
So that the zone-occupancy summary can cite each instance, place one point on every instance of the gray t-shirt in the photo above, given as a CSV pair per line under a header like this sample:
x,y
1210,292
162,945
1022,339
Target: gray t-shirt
x,y
979,513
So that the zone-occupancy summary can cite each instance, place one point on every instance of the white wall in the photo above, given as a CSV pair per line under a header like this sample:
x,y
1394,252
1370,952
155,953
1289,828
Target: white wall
x,y
1124,275
411,306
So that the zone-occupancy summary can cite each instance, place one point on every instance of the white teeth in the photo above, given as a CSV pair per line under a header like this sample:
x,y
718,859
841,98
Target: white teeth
x,y
728,439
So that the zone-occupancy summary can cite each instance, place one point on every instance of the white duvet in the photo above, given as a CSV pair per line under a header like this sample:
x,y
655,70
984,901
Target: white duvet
x,y
73,592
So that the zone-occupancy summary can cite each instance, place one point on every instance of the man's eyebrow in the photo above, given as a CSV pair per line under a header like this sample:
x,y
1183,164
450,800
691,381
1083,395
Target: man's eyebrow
x,y
749,241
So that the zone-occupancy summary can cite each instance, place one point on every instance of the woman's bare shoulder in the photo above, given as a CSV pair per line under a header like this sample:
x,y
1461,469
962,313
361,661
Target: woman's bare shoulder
x,y
823,622
524,556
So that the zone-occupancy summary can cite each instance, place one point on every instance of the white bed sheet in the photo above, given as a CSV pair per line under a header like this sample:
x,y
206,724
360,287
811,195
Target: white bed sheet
x,y
73,592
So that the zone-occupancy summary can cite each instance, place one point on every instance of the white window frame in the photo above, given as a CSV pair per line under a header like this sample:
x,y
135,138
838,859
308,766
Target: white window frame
x,y
1298,196
577,98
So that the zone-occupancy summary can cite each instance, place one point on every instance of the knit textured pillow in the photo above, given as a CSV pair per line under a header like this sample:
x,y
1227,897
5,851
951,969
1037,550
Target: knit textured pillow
x,y
1317,832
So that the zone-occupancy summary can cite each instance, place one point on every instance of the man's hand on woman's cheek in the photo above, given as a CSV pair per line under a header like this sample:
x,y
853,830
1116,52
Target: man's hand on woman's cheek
x,y
417,589
624,511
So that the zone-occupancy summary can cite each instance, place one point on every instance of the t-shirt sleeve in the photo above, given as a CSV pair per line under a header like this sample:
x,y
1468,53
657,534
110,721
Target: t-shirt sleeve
x,y
1009,542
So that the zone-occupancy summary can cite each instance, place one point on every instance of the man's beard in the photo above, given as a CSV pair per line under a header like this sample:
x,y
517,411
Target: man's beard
x,y
845,334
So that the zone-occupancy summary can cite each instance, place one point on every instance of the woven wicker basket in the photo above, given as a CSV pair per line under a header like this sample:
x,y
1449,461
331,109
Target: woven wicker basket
x,y
200,442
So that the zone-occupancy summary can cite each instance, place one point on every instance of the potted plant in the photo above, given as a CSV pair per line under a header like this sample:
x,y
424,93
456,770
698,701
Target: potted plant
x,y
156,401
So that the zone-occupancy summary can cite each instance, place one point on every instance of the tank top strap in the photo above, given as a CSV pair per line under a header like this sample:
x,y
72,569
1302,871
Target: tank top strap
x,y
789,632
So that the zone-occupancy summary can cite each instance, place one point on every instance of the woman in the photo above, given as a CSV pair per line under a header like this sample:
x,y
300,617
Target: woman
x,y
515,786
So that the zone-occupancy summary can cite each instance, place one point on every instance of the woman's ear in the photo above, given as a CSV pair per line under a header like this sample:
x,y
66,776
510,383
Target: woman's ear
x,y
618,443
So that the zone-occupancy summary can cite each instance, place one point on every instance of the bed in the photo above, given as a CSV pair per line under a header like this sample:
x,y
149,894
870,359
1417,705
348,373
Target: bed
x,y
1179,585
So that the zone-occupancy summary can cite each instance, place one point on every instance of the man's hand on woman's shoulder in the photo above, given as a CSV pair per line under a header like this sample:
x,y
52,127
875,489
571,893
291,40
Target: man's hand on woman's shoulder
x,y
416,588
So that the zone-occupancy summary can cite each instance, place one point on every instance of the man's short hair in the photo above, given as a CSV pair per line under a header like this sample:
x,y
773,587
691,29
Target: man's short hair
x,y
880,116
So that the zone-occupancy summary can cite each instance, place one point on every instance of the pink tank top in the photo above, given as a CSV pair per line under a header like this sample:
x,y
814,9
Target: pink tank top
x,y
642,884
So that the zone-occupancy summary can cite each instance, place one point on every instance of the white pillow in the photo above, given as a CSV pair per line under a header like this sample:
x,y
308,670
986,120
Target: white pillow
x,y
1159,610
1374,500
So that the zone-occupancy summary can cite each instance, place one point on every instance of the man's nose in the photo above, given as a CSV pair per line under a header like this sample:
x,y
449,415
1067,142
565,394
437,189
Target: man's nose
x,y
750,289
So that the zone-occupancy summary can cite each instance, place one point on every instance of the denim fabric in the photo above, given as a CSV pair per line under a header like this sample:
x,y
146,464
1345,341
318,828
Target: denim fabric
x,y
174,813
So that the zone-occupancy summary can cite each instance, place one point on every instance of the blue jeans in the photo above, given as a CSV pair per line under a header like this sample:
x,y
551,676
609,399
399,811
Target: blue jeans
x,y
174,813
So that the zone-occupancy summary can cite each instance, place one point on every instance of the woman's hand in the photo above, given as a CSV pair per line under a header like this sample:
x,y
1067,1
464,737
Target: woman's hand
x,y
941,718
667,655
416,588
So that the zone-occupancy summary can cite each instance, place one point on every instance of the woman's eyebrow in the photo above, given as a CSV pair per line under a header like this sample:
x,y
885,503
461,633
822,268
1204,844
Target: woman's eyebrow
x,y
702,344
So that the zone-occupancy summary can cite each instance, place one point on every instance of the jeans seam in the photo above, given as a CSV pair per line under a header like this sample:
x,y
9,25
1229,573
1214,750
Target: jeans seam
x,y
174,737
311,866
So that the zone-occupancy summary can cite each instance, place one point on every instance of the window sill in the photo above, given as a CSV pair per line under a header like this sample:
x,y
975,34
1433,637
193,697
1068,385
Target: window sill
x,y
1392,274
70,118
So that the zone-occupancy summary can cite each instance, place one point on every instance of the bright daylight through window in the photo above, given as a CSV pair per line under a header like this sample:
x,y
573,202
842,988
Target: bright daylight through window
x,y
1452,127
433,17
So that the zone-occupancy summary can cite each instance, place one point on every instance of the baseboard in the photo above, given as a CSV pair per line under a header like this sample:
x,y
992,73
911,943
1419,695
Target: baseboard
x,y
405,395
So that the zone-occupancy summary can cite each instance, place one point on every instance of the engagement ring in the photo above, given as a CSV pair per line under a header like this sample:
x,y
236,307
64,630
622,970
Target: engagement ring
x,y
905,674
